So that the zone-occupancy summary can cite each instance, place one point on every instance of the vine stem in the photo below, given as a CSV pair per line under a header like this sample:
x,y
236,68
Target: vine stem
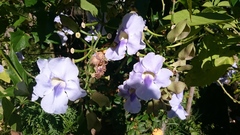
x,y
190,99
225,91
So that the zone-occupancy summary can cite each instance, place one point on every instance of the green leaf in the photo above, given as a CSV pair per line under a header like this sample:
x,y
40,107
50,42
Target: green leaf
x,y
19,40
35,36
7,109
84,4
100,99
180,31
224,4
93,122
22,89
233,2
187,52
19,21
7,92
177,87
4,76
29,3
199,18
69,23
17,72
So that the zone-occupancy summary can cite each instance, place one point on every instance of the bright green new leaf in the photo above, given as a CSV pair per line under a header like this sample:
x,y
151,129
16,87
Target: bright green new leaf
x,y
19,21
29,3
5,77
224,4
207,4
19,40
183,68
100,99
84,4
223,61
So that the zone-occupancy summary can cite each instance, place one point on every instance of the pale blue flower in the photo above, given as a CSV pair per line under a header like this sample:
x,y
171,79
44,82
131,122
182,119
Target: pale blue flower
x,y
129,37
56,84
148,77
177,109
132,103
1,68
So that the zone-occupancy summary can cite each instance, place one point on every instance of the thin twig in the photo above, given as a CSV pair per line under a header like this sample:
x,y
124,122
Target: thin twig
x,y
225,91
190,99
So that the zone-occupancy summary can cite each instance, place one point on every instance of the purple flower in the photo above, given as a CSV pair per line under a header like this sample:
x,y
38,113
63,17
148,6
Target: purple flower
x,y
177,109
56,84
1,68
128,38
148,77
132,103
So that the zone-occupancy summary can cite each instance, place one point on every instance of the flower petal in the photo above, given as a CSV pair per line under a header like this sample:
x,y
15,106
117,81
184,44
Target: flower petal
x,y
55,104
152,62
162,77
137,67
43,85
74,91
116,53
132,106
63,68
148,92
134,43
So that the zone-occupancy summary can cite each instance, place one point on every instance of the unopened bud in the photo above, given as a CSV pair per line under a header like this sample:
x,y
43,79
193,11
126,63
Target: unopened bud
x,y
77,34
72,50
83,25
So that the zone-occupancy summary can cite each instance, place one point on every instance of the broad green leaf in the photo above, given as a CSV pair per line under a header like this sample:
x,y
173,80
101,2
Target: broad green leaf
x,y
29,3
177,87
180,31
19,40
19,21
35,36
199,18
224,4
9,92
211,63
84,4
4,76
69,23
100,99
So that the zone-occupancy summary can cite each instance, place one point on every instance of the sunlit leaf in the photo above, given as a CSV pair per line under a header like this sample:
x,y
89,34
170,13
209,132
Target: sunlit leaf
x,y
188,52
19,21
199,18
84,4
180,31
177,87
224,4
5,77
19,40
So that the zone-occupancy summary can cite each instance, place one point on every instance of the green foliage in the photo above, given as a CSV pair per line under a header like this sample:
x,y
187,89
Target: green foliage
x,y
19,40
84,4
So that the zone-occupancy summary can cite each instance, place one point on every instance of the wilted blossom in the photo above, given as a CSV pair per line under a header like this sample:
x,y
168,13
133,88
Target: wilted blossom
x,y
148,77
132,103
129,37
177,109
98,61
56,84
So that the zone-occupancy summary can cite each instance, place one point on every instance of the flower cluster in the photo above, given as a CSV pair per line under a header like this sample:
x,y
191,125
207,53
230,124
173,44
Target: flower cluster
x,y
56,85
98,61
63,32
129,37
145,81
176,107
